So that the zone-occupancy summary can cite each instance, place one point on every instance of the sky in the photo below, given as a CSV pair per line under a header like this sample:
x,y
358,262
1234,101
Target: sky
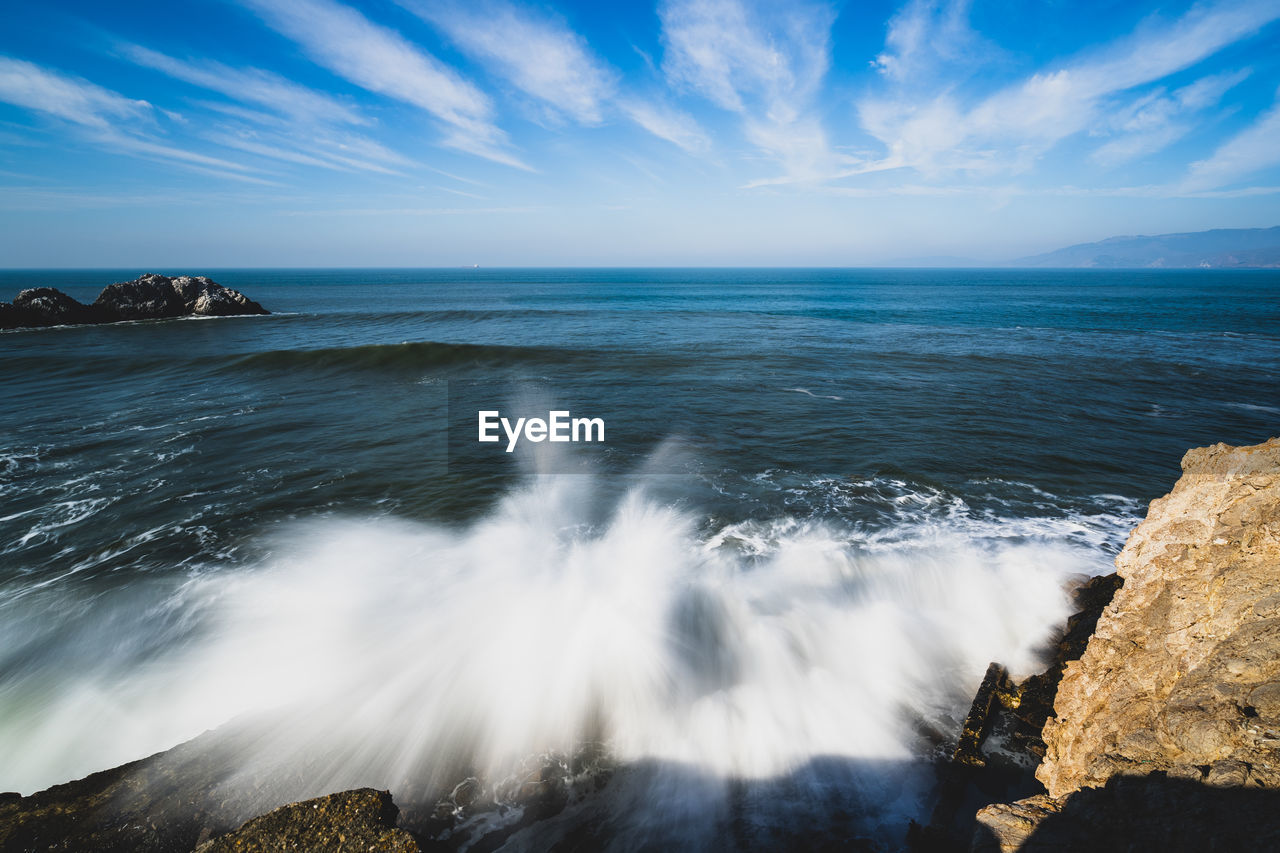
x,y
241,133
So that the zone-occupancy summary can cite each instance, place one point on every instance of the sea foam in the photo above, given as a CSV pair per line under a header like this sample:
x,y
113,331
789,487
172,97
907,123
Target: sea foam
x,y
392,653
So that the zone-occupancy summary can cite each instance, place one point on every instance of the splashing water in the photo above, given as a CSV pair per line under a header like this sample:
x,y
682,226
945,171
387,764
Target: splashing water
x,y
389,653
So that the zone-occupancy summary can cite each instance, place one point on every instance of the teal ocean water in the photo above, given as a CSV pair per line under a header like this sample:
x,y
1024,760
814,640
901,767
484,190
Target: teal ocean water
x,y
826,500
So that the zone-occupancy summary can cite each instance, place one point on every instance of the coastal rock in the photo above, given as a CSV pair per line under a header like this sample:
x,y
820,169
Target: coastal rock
x,y
194,796
201,295
1007,826
1171,717
47,306
11,317
1184,667
161,804
360,821
1012,728
480,813
148,297
1000,745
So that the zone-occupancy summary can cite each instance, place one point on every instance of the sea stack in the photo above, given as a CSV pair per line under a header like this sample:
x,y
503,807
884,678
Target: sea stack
x,y
148,297
1167,729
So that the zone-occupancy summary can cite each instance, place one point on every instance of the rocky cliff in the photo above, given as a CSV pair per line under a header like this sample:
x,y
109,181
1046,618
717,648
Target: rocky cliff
x,y
148,297
1166,732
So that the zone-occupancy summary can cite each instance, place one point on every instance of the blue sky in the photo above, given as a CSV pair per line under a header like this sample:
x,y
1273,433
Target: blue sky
x,y
215,133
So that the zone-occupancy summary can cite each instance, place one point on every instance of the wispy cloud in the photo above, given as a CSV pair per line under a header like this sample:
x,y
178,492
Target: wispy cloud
x,y
543,58
463,193
285,149
301,143
315,146
766,64
926,35
77,199
70,98
1157,119
106,118
114,138
1013,127
675,126
537,53
302,128
248,85
381,60
731,53
1253,149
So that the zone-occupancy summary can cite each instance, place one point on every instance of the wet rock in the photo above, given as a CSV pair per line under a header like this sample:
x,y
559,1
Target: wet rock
x,y
360,821
157,804
197,794
978,722
1000,745
481,815
1024,707
169,802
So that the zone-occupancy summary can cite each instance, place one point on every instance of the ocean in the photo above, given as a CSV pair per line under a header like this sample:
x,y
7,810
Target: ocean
x,y
826,499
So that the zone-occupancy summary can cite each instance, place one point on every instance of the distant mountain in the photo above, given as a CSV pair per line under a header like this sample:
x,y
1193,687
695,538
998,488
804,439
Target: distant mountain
x,y
1222,248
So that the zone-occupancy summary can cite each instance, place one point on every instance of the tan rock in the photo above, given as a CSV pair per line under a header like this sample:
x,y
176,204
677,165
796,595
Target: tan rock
x,y
1166,731
1184,665
1008,825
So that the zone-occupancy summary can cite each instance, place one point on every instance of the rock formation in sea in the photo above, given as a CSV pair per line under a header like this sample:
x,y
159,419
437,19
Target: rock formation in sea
x,y
47,306
148,297
1165,733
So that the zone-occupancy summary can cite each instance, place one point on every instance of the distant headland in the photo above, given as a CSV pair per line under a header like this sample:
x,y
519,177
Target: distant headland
x,y
1221,248
148,297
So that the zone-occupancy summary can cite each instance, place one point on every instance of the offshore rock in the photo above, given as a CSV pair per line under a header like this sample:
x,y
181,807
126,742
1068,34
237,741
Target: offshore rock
x,y
47,306
360,821
153,296
1169,724
148,297
203,296
11,317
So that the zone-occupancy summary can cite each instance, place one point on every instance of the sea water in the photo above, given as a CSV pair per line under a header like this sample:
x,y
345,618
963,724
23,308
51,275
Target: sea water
x,y
827,500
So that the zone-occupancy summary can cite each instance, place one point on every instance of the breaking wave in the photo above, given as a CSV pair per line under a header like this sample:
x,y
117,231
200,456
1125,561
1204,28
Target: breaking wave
x,y
391,653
